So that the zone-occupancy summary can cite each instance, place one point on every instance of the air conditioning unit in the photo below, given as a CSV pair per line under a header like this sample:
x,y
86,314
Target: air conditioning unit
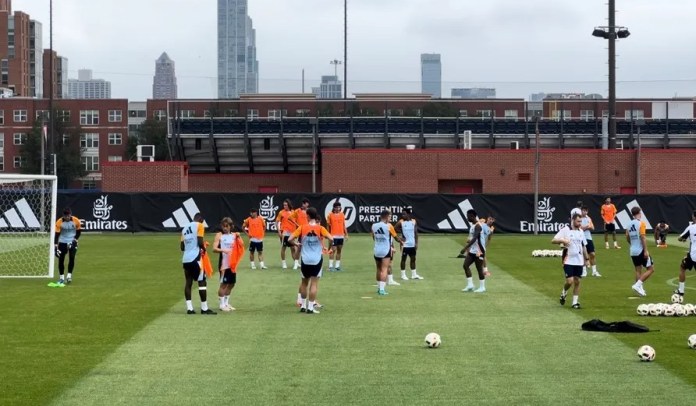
x,y
146,153
515,145
467,139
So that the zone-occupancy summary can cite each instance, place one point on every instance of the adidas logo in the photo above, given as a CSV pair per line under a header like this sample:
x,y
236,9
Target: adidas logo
x,y
20,217
181,218
456,218
624,217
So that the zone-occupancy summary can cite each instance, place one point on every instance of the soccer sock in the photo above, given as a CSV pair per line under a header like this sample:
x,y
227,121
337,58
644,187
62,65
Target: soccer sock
x,y
262,264
382,285
639,283
682,285
564,292
584,269
227,300
189,305
482,284
575,299
594,268
331,262
413,272
338,263
297,262
222,302
299,298
204,305
69,275
310,305
616,244
285,263
390,278
470,281
403,273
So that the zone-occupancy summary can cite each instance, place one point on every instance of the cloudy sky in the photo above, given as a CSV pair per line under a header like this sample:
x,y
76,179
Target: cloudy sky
x,y
516,46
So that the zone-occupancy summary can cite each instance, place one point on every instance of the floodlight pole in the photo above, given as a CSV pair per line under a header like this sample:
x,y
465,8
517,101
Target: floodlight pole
x,y
345,49
536,178
612,74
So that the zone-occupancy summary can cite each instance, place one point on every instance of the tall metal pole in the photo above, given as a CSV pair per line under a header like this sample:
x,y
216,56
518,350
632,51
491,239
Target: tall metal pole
x,y
345,49
612,74
638,168
51,114
536,177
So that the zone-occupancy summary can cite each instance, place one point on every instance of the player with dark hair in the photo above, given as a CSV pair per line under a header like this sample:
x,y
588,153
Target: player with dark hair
x,y
408,228
608,215
68,231
383,234
299,218
661,231
577,209
689,260
255,227
587,226
337,227
475,250
285,227
635,235
575,247
193,247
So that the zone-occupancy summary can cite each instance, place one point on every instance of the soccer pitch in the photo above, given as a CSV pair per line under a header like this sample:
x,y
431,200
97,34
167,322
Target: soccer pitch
x,y
119,334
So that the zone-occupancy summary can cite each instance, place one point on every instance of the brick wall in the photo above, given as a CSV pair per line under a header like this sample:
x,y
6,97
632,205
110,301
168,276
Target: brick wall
x,y
145,177
252,183
668,172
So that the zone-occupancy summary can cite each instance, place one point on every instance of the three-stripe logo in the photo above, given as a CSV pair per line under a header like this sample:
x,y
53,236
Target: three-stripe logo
x,y
624,216
182,216
456,219
21,216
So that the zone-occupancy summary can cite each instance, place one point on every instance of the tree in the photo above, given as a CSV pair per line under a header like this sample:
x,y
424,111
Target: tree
x,y
439,109
151,132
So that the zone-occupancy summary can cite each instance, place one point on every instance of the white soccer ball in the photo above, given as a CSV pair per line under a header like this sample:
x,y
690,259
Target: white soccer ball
x,y
692,341
669,311
643,310
679,310
689,309
646,353
433,340
677,298
654,309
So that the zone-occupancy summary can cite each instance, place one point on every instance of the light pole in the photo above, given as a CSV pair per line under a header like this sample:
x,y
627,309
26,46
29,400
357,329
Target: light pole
x,y
335,63
345,49
51,117
639,123
611,33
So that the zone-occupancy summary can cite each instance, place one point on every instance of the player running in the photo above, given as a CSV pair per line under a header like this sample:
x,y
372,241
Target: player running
x,y
635,235
285,227
299,218
575,256
475,250
339,232
255,227
224,244
587,226
608,215
408,228
68,231
690,259
309,238
382,234
192,246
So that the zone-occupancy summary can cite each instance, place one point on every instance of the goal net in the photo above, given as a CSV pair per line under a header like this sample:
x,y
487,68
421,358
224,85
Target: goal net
x,y
27,225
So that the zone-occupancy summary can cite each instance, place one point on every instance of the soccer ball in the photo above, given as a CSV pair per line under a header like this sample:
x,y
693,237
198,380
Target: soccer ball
x,y
692,341
677,298
433,340
643,310
646,353
669,311
689,309
679,310
654,309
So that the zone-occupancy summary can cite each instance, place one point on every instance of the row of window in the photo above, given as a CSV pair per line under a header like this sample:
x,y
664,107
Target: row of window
x,y
90,163
86,140
87,117
590,115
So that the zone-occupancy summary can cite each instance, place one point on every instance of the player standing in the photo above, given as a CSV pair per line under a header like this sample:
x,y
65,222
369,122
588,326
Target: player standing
x,y
310,237
608,215
339,232
68,231
575,244
299,218
255,227
661,231
382,234
635,235
193,247
587,226
285,228
690,259
408,228
475,250
224,244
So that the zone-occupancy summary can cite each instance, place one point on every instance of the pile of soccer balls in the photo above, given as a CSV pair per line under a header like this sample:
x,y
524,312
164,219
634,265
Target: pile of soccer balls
x,y
676,308
646,353
546,253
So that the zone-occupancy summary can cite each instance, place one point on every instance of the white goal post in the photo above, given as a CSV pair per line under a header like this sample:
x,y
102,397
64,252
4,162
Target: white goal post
x,y
27,225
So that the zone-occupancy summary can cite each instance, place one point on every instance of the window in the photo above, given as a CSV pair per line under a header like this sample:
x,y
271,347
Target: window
x,y
511,114
2,163
115,158
64,116
42,115
206,114
302,113
635,115
605,113
586,115
567,115
463,113
19,139
19,161
187,113
252,114
137,113
276,115
395,112
484,113
89,117
231,113
2,142
89,184
89,141
91,163
115,116
159,115
115,139
20,116
2,117
66,139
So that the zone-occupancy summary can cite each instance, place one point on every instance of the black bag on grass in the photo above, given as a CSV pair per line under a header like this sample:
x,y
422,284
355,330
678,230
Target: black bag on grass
x,y
614,327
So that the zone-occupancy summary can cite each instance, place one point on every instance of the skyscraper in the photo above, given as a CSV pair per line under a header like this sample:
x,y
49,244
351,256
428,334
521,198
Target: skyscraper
x,y
238,69
85,87
164,84
431,75
329,88
59,75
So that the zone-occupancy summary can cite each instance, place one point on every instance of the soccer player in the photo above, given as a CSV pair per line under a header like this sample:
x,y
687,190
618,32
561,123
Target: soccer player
x,y
608,215
635,235
587,226
192,245
475,250
575,248
255,227
408,228
309,238
488,221
285,228
339,232
382,234
576,210
690,259
68,231
224,244
299,218
661,231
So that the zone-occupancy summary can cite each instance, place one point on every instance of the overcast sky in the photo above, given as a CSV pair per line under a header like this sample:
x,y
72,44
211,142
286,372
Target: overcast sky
x,y
517,46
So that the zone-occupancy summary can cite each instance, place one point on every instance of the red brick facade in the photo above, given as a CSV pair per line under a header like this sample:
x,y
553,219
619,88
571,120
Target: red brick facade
x,y
250,183
136,177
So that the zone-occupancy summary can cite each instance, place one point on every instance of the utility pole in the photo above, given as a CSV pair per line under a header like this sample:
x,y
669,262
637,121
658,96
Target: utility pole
x,y
612,74
345,49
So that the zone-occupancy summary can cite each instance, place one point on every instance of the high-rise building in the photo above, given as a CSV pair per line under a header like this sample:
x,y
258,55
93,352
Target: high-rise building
x,y
431,75
473,93
60,75
164,84
329,88
36,68
238,69
14,50
86,87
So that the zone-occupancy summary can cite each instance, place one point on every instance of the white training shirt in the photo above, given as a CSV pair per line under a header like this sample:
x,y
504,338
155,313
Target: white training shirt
x,y
226,244
408,229
586,221
577,239
690,233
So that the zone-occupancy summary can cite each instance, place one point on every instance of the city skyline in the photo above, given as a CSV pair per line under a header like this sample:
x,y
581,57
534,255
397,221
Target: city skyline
x,y
164,82
504,48
237,65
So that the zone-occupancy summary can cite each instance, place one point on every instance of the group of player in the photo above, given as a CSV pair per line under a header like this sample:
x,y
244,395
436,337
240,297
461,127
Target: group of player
x,y
579,251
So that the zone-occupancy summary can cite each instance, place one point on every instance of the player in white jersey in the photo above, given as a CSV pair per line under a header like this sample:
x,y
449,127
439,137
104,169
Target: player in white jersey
x,y
587,226
475,250
223,244
576,210
383,234
193,247
689,261
573,240
635,235
409,230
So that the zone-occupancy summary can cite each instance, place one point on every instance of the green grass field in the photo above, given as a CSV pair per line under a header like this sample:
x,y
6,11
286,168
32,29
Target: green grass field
x,y
119,334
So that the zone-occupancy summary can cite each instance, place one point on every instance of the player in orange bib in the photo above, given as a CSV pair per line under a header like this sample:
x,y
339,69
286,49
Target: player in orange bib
x,y
299,218
255,227
608,215
285,227
337,227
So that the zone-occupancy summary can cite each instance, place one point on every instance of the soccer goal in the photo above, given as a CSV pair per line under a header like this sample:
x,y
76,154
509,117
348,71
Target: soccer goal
x,y
27,225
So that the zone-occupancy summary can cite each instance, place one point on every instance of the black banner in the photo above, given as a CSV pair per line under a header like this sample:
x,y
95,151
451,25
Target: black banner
x,y
435,213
